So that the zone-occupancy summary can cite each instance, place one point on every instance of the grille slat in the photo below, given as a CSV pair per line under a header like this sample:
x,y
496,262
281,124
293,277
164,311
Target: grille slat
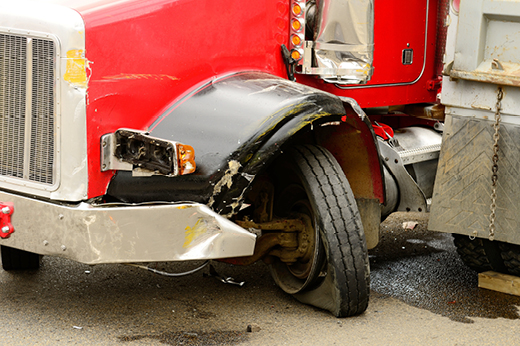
x,y
42,131
27,108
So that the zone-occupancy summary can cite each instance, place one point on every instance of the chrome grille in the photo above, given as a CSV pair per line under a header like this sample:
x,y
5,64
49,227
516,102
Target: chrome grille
x,y
27,116
13,86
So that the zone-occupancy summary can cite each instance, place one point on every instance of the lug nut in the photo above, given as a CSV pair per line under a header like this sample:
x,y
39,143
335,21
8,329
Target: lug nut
x,y
6,210
5,229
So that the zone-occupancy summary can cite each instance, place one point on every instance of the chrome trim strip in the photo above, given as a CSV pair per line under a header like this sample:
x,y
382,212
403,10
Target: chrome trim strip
x,y
28,108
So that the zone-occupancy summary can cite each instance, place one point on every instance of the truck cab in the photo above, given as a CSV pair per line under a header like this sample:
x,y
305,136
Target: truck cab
x,y
173,130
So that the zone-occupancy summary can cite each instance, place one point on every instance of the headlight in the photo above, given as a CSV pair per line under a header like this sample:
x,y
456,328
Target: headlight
x,y
145,155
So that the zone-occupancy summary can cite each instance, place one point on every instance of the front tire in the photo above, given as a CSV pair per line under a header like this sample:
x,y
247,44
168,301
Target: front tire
x,y
338,277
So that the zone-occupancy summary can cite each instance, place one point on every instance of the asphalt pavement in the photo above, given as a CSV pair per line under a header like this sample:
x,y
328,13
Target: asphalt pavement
x,y
421,294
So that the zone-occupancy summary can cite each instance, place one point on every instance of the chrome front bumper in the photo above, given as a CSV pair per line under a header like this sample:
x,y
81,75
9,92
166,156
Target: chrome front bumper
x,y
124,233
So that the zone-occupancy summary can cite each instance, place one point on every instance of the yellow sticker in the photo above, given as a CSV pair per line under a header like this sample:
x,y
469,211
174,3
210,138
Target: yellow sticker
x,y
76,73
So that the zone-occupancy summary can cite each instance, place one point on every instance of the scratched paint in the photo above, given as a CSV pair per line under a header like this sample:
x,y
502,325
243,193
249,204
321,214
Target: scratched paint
x,y
88,221
75,72
192,233
141,76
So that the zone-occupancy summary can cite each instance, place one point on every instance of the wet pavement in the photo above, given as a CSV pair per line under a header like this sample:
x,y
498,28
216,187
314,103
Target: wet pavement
x,y
421,294
423,269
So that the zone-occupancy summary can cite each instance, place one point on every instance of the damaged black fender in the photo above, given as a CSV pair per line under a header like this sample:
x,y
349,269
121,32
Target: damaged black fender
x,y
237,125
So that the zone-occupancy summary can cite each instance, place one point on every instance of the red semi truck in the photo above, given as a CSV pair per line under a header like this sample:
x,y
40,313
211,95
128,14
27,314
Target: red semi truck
x,y
175,130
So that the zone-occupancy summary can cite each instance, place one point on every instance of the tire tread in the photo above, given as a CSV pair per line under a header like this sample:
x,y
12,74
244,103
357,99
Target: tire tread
x,y
511,257
479,254
355,259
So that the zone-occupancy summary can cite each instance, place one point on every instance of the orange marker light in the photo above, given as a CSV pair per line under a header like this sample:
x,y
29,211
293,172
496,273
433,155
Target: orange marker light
x,y
295,55
186,159
297,9
296,40
296,25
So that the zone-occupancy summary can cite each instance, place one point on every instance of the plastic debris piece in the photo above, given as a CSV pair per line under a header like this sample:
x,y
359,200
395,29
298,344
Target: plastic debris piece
x,y
226,280
253,328
76,327
409,225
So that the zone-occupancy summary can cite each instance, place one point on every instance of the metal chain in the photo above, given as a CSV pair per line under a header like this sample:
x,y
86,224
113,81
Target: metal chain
x,y
494,169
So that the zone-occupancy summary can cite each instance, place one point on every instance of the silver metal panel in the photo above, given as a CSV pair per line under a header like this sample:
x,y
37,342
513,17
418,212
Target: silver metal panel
x,y
411,198
473,98
343,41
63,26
461,202
108,159
461,198
122,234
487,42
426,19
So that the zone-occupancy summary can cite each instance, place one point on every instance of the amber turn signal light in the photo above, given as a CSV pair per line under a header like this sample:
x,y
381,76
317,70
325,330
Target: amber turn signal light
x,y
186,159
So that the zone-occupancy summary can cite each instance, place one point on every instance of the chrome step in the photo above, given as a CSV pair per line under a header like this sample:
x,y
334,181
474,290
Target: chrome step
x,y
422,154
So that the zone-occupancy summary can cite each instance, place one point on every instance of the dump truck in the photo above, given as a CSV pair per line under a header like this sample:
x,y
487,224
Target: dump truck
x,y
139,131
476,192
